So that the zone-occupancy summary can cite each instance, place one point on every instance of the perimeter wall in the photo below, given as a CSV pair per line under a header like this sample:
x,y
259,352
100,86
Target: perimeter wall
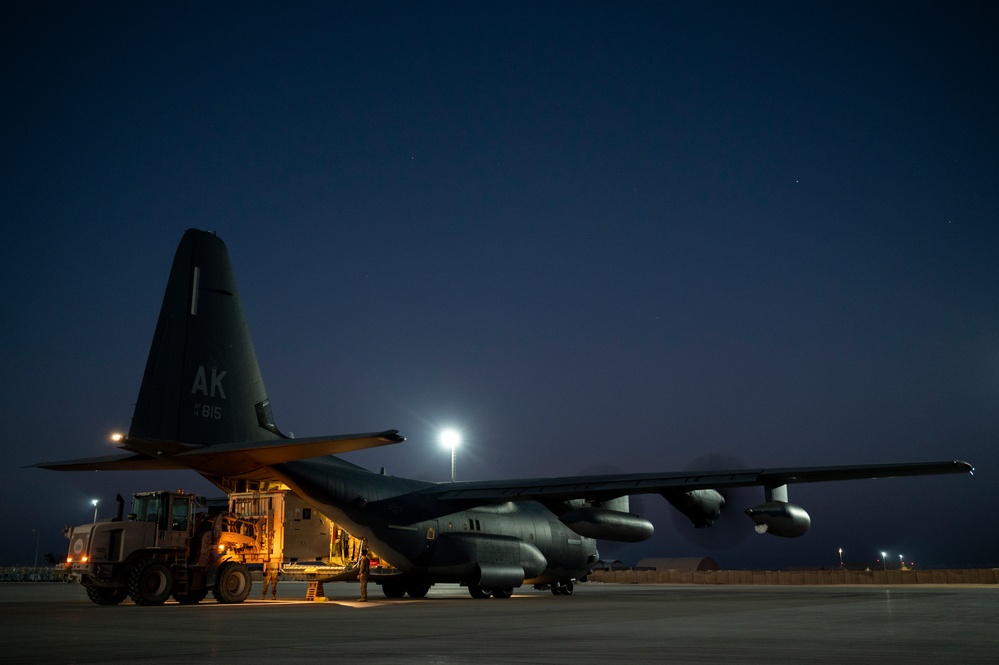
x,y
982,576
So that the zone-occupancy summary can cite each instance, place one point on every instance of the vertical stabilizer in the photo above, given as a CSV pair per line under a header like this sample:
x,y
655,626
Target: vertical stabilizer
x,y
202,384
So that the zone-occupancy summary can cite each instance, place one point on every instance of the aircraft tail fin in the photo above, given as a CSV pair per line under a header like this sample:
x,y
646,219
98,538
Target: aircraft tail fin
x,y
202,384
202,404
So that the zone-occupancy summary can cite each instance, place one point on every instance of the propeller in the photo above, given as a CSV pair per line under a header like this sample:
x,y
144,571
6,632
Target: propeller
x,y
732,527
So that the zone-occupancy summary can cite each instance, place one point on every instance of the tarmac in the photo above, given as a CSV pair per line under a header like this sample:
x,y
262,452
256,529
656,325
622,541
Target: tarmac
x,y
600,623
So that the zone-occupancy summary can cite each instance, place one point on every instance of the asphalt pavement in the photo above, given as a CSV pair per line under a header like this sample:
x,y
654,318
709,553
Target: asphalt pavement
x,y
600,623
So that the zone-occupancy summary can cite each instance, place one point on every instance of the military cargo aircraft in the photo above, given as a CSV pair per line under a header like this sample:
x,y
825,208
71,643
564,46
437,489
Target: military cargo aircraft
x,y
202,406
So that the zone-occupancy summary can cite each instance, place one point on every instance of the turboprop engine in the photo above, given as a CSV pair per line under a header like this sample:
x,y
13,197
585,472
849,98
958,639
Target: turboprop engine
x,y
702,507
607,520
606,524
780,518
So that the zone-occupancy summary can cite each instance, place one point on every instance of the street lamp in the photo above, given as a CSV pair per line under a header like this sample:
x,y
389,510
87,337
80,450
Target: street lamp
x,y
884,563
901,564
94,501
451,438
841,557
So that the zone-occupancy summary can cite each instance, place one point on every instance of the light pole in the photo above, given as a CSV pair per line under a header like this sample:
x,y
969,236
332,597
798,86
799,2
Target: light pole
x,y
841,557
37,538
901,563
451,438
94,501
884,562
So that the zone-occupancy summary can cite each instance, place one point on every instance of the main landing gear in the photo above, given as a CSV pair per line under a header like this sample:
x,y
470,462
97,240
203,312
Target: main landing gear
x,y
498,592
557,588
564,588
399,589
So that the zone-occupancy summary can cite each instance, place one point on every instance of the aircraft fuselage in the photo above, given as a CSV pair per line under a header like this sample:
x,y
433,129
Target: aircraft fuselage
x,y
491,545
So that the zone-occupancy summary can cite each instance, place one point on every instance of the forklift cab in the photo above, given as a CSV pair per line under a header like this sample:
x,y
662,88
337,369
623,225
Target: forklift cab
x,y
171,512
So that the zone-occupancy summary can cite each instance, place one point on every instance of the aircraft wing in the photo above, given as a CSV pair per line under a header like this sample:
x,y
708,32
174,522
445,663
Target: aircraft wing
x,y
612,486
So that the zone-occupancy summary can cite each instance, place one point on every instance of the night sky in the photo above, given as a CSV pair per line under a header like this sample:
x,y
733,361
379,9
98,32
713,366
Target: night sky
x,y
591,236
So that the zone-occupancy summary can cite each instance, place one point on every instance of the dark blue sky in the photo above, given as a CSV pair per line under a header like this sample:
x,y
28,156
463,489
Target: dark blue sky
x,y
584,233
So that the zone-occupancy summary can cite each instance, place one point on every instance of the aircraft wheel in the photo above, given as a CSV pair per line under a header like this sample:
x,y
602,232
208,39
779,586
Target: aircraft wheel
x,y
393,590
503,592
103,595
149,582
418,590
567,588
556,590
191,597
233,585
477,591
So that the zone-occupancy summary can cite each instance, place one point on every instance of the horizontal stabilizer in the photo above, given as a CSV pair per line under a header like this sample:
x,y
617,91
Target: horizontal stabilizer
x,y
128,462
226,459
234,459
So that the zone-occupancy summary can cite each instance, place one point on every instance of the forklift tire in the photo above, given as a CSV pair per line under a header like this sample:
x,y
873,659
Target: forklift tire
x,y
103,595
233,585
149,582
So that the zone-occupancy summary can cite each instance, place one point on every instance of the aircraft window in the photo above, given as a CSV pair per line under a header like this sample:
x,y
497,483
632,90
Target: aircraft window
x,y
431,533
477,526
306,513
471,524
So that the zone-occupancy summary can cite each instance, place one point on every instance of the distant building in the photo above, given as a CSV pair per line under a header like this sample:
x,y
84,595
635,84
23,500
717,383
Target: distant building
x,y
616,564
685,564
